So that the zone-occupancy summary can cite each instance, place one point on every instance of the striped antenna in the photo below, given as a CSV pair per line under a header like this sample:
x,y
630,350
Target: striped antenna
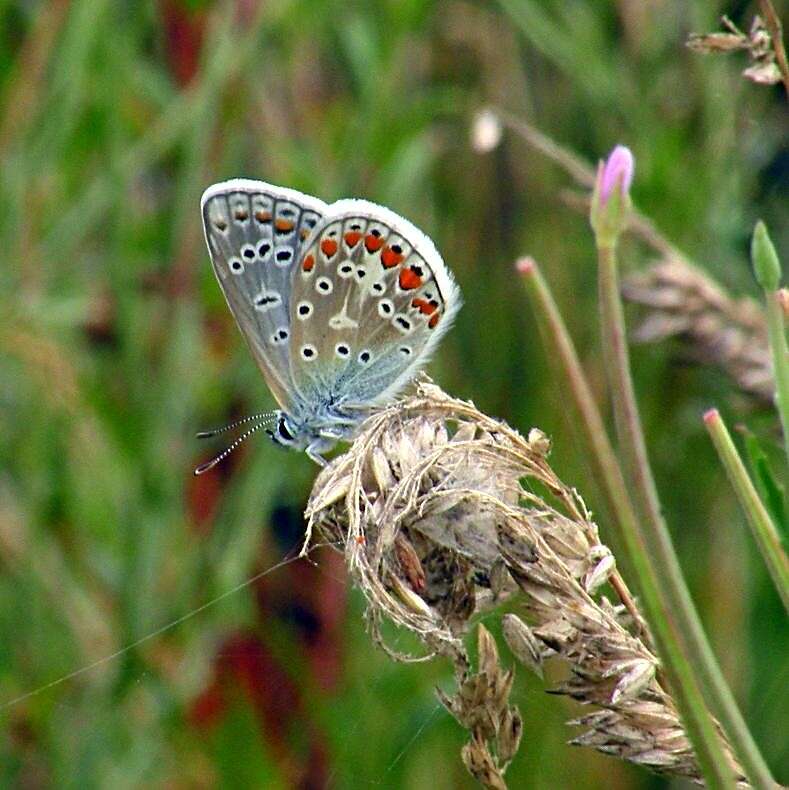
x,y
266,416
224,454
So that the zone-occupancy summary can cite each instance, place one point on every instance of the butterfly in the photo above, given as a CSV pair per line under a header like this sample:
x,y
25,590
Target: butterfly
x,y
341,304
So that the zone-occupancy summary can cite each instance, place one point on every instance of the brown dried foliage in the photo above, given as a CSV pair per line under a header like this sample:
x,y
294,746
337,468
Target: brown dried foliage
x,y
715,328
763,43
444,513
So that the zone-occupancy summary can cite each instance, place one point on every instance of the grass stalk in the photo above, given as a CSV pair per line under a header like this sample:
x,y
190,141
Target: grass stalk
x,y
655,533
776,333
695,716
764,531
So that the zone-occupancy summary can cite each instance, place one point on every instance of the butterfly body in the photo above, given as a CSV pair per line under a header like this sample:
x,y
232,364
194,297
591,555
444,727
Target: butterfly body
x,y
340,304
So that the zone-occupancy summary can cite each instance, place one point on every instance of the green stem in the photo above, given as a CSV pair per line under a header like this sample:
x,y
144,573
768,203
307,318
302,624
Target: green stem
x,y
764,530
777,335
655,533
698,723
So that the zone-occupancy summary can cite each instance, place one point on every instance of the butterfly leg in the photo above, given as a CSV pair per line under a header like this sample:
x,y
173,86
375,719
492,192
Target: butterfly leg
x,y
327,438
315,456
331,435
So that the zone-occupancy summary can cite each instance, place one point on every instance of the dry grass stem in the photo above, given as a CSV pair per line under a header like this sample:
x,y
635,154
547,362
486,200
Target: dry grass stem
x,y
443,513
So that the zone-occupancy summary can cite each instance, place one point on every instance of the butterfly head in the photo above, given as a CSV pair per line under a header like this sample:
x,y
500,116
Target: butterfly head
x,y
315,431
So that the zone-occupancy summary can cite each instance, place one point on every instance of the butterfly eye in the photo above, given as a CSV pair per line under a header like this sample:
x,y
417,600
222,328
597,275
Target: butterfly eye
x,y
405,351
346,269
282,430
365,357
236,266
248,251
264,248
342,350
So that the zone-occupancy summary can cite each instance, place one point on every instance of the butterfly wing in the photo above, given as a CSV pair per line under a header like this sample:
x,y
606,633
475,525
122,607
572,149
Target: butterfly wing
x,y
370,299
255,232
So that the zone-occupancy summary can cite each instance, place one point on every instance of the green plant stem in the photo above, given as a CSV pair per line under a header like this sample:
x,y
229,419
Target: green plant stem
x,y
777,335
696,718
764,530
655,533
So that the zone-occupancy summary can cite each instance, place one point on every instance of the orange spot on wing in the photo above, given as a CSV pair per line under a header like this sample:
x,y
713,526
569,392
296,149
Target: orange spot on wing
x,y
284,225
425,307
390,258
433,321
409,280
352,238
373,243
263,216
328,247
309,263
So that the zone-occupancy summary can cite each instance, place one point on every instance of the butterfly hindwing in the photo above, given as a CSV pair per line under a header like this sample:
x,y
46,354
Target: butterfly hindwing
x,y
255,233
370,299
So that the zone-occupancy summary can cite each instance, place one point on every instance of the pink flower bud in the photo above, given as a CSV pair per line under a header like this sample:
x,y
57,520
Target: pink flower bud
x,y
611,197
617,171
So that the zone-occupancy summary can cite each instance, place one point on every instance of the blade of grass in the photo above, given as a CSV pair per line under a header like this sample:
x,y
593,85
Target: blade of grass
x,y
696,718
767,270
776,333
175,122
764,531
655,532
21,105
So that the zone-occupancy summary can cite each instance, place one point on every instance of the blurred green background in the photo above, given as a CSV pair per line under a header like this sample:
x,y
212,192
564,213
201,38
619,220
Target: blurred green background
x,y
116,346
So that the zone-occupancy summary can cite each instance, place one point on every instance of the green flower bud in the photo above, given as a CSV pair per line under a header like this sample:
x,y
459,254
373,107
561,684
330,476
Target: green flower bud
x,y
764,259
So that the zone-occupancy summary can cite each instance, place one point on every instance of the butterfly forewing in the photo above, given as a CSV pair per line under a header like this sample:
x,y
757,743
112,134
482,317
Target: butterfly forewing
x,y
255,233
369,300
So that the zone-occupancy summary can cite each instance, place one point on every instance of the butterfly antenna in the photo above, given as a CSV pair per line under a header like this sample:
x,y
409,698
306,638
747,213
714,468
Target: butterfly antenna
x,y
266,416
224,454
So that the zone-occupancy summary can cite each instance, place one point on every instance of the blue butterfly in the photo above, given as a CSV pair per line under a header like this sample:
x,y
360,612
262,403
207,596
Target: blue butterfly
x,y
340,304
